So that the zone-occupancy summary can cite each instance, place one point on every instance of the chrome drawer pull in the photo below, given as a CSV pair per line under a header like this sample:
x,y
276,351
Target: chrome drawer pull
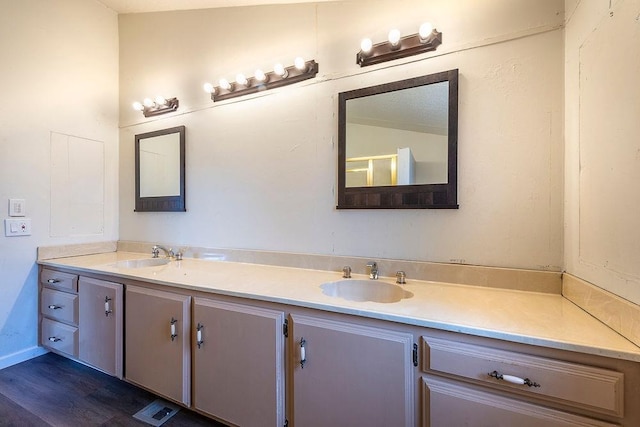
x,y
173,328
303,352
512,379
107,306
55,339
55,307
199,339
53,281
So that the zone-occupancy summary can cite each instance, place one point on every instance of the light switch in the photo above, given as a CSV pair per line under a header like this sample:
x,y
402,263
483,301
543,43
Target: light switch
x,y
17,227
17,207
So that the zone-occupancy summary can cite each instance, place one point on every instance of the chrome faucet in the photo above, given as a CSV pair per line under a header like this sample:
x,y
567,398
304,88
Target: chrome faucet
x,y
155,251
373,270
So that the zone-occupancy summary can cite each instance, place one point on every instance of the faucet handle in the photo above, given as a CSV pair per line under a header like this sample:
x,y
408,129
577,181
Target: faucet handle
x,y
346,272
155,251
401,277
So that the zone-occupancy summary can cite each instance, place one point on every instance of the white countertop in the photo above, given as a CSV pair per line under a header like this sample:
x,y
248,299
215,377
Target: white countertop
x,y
542,319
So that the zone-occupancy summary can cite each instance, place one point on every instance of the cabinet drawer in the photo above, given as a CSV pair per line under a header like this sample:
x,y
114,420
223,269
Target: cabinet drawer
x,y
452,403
59,305
60,337
57,279
595,389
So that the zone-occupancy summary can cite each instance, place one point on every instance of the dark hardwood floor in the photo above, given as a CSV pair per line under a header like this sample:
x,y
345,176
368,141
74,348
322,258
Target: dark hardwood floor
x,y
51,390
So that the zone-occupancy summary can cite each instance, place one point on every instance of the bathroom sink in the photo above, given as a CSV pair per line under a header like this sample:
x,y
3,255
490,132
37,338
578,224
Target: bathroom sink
x,y
141,263
365,290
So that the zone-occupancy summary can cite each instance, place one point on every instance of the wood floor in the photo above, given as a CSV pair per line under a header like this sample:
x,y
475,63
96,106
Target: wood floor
x,y
51,390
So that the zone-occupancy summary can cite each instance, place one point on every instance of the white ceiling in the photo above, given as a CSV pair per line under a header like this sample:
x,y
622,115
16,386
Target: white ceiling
x,y
137,6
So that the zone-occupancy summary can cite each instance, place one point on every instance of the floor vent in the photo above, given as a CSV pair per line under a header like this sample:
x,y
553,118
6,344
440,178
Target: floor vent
x,y
157,412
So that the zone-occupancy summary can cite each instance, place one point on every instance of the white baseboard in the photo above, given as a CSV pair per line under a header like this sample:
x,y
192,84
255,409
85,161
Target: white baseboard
x,y
21,356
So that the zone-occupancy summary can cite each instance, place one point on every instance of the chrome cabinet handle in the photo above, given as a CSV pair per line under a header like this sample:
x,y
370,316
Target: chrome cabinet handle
x,y
513,379
107,306
53,281
55,307
303,352
199,339
55,339
173,328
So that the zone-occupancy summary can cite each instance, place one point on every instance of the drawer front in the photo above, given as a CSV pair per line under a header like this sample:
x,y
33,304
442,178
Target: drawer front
x,y
59,280
452,403
587,387
59,305
60,337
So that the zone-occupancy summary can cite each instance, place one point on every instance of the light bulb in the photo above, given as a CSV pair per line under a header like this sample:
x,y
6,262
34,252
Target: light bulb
x,y
224,84
394,37
425,31
366,45
241,79
260,76
147,102
138,106
280,70
300,64
208,87
160,100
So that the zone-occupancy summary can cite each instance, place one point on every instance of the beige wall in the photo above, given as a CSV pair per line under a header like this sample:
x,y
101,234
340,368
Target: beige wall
x,y
602,167
261,171
59,68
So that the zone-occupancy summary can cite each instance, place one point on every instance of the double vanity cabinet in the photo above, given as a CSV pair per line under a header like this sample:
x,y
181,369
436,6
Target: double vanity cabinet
x,y
249,362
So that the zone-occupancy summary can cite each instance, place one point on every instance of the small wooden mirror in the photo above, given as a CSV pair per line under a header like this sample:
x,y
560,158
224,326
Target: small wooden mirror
x,y
160,170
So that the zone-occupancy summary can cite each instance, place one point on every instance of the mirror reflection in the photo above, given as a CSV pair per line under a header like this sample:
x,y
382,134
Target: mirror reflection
x,y
398,138
398,144
160,170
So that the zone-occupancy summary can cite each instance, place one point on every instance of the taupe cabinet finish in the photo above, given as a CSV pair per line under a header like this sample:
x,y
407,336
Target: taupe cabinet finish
x,y
101,326
158,342
351,375
75,322
477,385
239,363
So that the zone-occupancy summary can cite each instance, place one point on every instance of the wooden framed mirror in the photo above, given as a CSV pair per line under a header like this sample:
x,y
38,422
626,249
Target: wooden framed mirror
x,y
160,170
398,144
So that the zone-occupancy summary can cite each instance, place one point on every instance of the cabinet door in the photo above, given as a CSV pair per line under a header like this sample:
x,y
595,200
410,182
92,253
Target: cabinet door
x,y
450,403
100,324
239,363
157,340
351,375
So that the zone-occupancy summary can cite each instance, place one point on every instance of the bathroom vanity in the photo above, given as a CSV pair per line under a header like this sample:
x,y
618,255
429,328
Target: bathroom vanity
x,y
257,345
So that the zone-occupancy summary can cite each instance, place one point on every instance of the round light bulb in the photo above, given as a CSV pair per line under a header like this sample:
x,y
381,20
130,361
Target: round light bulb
x,y
138,106
224,84
366,45
147,102
259,75
208,87
300,64
394,37
280,70
160,100
241,79
425,30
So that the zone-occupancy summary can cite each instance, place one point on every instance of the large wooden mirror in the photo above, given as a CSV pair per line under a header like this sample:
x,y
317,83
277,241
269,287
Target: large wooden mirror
x,y
398,144
160,170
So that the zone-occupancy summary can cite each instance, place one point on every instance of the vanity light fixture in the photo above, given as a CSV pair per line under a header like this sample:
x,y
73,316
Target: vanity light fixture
x,y
155,107
427,39
280,76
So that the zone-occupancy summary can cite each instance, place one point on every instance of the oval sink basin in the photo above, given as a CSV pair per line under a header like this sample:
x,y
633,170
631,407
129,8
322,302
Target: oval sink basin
x,y
365,290
140,263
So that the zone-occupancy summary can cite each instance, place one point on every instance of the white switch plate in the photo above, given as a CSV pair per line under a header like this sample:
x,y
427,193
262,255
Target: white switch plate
x,y
17,227
17,207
